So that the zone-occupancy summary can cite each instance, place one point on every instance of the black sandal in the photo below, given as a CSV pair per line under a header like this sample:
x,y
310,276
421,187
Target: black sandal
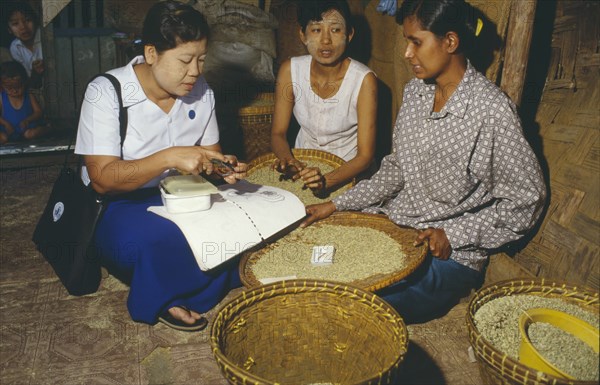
x,y
177,324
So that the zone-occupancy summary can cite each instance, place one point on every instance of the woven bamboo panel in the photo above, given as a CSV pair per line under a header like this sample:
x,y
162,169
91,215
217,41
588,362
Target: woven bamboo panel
x,y
405,237
567,245
496,367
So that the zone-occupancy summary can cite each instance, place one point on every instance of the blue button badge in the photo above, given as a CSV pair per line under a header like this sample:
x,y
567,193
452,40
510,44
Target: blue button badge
x,y
192,114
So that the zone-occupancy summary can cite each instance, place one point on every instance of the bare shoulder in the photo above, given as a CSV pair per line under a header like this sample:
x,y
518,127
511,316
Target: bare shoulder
x,y
285,67
369,84
284,76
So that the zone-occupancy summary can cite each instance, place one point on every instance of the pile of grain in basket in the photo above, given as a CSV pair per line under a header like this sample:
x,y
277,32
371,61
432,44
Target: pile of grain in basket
x,y
266,176
360,252
498,322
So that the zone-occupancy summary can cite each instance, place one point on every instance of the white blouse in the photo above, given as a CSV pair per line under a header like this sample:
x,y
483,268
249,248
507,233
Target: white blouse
x,y
191,120
327,124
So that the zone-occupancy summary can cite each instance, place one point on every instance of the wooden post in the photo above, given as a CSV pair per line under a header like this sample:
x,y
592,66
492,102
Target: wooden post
x,y
518,41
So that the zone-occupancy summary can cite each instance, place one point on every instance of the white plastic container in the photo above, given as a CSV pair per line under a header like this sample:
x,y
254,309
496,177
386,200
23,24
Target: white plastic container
x,y
186,193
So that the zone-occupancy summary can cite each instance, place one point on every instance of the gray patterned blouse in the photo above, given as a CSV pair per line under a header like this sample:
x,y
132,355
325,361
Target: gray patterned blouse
x,y
466,169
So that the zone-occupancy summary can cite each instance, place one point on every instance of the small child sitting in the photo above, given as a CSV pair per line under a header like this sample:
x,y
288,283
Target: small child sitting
x,y
21,114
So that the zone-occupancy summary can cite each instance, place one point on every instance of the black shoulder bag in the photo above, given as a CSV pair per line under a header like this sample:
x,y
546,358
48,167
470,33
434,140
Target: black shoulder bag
x,y
64,234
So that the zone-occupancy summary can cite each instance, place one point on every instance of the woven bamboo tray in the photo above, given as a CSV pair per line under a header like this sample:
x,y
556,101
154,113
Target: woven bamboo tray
x,y
303,155
404,236
495,366
308,332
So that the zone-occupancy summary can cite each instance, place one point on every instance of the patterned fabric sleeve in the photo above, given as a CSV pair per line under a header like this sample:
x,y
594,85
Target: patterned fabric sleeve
x,y
506,165
385,183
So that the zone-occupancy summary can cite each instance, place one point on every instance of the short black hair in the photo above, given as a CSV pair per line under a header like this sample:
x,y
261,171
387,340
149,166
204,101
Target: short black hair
x,y
441,17
21,6
169,23
313,10
13,69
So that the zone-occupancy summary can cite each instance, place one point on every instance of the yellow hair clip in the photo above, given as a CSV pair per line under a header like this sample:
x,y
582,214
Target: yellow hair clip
x,y
479,27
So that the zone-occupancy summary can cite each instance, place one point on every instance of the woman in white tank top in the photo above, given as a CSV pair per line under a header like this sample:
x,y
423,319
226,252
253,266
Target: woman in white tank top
x,y
333,98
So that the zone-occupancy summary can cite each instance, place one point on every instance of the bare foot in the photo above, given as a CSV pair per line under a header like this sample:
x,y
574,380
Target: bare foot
x,y
185,315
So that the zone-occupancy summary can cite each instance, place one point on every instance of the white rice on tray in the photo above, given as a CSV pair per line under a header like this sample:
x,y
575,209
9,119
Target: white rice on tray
x,y
266,176
360,252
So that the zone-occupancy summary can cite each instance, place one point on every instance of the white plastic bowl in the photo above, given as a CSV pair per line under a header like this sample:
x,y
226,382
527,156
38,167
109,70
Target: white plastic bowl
x,y
186,193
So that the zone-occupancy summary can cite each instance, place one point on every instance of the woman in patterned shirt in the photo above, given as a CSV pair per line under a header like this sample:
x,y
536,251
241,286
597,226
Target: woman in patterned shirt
x,y
461,170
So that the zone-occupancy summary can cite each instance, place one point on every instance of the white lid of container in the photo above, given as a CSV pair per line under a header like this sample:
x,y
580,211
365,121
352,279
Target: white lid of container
x,y
187,185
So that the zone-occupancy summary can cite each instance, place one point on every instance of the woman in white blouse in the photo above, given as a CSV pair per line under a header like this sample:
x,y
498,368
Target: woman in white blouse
x,y
171,126
333,98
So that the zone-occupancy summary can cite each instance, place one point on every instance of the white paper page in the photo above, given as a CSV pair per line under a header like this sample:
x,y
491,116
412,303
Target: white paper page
x,y
214,235
271,209
239,215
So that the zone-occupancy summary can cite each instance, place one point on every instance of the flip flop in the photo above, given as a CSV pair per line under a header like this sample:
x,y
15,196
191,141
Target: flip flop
x,y
174,323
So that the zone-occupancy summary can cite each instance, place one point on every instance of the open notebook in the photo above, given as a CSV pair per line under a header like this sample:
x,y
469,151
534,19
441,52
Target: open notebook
x,y
242,215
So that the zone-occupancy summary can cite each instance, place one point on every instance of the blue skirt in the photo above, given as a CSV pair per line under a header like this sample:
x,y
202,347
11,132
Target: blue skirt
x,y
152,255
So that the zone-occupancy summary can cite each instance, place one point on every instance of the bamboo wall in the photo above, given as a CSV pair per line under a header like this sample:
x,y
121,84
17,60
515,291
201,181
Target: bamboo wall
x,y
567,245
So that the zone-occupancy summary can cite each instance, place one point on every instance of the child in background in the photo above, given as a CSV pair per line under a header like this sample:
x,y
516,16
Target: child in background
x,y
26,48
21,113
333,98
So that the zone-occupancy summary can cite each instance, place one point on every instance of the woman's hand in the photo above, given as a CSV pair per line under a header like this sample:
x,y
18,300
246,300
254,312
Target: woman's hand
x,y
317,212
238,167
313,178
290,168
439,245
193,159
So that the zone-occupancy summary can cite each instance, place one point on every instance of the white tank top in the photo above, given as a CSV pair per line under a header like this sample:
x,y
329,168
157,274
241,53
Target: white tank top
x,y
327,124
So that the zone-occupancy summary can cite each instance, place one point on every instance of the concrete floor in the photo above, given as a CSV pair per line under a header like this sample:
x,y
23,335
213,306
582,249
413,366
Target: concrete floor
x,y
49,337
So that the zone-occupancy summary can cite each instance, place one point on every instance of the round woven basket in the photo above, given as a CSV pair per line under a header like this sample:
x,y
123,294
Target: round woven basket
x,y
497,367
255,121
404,236
308,332
303,155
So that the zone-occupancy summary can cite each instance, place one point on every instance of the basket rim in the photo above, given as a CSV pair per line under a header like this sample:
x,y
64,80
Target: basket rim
x,y
370,283
329,158
295,286
502,363
262,109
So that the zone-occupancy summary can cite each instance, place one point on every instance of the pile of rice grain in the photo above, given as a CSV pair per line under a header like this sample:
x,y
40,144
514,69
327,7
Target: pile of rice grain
x,y
498,322
268,177
360,252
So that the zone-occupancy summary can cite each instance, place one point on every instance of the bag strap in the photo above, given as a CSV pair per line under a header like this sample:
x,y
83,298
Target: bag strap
x,y
122,109
122,116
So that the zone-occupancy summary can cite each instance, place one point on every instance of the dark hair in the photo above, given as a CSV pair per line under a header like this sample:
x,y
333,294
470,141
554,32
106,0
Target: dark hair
x,y
169,23
13,69
23,7
441,17
313,11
